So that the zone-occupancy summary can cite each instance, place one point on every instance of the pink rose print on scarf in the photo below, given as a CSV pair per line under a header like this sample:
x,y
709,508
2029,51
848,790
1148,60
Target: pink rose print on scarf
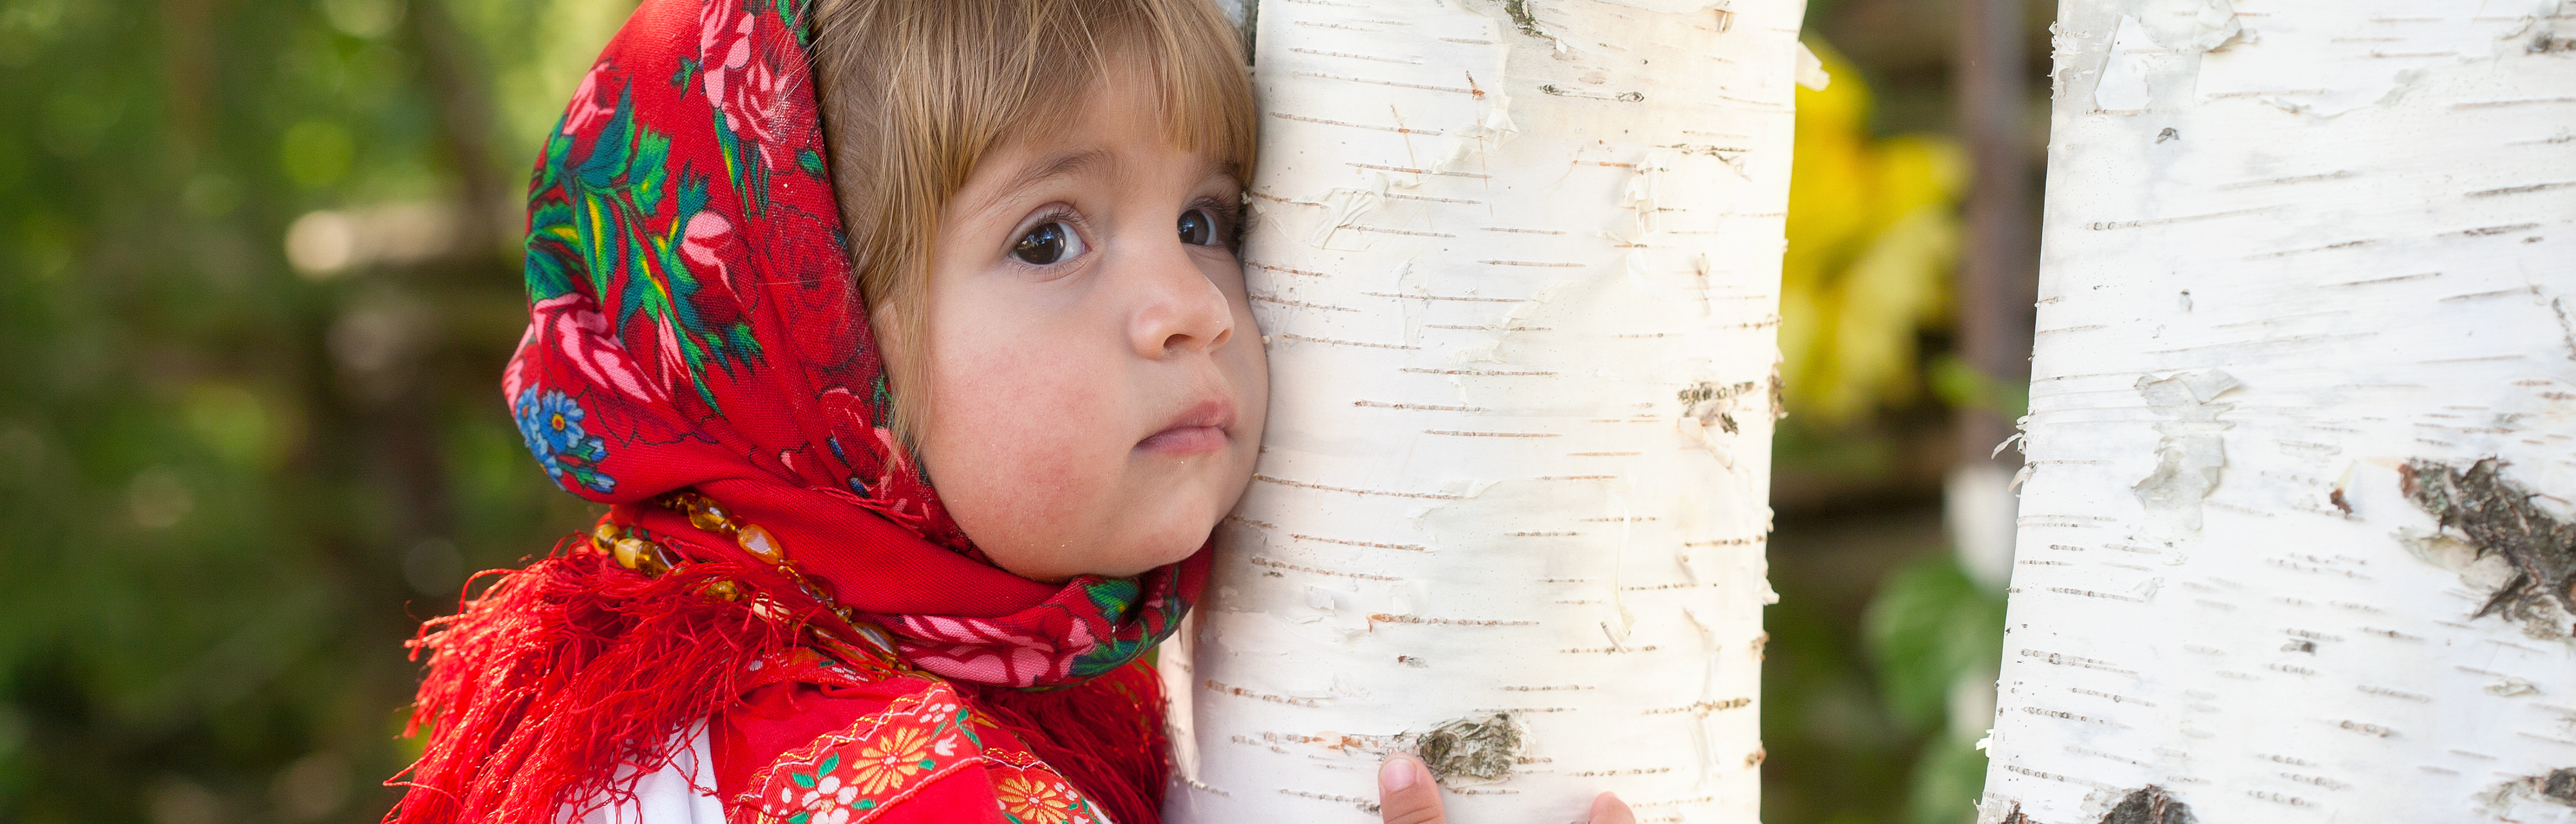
x,y
586,111
983,652
740,83
712,248
572,325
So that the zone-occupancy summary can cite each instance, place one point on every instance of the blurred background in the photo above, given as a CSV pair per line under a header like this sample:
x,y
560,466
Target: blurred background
x,y
258,278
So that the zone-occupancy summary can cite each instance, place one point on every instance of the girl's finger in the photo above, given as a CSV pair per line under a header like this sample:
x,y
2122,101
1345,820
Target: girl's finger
x,y
1406,795
1608,809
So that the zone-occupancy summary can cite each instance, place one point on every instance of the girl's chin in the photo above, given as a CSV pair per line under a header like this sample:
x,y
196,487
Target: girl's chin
x,y
1122,562
1163,553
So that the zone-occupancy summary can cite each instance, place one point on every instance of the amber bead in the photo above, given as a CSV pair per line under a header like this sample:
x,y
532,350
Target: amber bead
x,y
604,537
703,514
724,590
633,553
760,543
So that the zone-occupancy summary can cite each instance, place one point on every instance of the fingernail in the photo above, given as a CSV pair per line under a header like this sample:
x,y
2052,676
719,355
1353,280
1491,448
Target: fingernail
x,y
1398,773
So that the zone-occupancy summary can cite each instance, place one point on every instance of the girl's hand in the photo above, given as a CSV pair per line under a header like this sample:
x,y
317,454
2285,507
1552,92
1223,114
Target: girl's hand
x,y
1406,795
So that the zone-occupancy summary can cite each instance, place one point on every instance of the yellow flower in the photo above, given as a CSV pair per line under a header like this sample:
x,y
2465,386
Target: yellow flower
x,y
888,761
1872,237
1037,800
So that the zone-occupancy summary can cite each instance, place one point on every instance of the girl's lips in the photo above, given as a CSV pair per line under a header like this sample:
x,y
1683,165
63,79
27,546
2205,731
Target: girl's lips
x,y
1182,440
1203,428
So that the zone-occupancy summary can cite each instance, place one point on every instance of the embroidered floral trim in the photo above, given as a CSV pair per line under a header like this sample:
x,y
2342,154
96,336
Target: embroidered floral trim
x,y
1029,792
854,775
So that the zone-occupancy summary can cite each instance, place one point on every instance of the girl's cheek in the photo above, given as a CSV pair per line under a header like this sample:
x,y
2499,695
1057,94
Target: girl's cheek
x,y
1037,412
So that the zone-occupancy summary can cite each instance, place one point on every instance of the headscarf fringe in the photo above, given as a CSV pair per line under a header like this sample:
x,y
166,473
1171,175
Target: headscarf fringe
x,y
612,662
615,662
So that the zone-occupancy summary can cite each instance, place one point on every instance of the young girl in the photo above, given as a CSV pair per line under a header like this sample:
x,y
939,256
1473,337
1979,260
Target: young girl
x,y
790,265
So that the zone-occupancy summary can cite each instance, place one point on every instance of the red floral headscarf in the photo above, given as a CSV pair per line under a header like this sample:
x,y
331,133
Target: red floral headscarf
x,y
695,324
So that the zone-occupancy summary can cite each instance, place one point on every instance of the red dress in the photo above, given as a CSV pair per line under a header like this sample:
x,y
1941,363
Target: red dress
x,y
822,741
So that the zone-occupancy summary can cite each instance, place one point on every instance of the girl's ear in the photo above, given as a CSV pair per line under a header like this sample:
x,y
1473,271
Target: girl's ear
x,y
887,324
900,328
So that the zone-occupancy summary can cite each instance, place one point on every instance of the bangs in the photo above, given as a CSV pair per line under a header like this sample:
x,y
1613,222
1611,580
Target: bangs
x,y
1186,49
916,93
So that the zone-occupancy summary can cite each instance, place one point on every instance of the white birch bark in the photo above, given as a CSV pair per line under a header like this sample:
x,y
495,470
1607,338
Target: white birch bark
x,y
2294,247
1517,264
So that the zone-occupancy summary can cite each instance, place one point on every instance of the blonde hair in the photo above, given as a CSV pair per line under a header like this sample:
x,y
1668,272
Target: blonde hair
x,y
915,93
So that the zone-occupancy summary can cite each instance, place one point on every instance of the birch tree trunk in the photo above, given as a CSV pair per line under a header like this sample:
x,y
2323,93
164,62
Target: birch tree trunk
x,y
2295,545
1517,264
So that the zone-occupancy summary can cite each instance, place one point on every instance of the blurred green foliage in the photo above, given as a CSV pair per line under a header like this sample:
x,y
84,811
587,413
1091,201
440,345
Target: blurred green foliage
x,y
1936,637
1880,670
236,469
1875,689
231,489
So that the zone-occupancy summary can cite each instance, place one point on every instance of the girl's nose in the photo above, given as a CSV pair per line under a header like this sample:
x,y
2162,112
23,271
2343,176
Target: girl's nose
x,y
1178,309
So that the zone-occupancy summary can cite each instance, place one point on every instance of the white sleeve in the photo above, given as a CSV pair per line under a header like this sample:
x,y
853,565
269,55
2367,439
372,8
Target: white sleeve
x,y
681,792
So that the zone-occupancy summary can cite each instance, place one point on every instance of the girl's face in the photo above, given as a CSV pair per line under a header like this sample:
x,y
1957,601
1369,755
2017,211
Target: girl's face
x,y
1096,383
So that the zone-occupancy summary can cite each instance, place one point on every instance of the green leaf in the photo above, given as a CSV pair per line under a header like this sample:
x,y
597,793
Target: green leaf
x,y
649,167
1964,387
1947,781
1928,626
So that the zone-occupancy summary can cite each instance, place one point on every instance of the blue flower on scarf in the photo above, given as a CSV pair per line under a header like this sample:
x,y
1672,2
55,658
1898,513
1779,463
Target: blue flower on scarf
x,y
551,425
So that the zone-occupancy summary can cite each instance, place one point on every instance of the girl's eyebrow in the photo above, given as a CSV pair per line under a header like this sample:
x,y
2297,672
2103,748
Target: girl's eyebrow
x,y
1064,164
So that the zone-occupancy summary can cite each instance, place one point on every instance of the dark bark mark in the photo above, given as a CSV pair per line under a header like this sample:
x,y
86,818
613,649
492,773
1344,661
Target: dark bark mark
x,y
2566,325
2499,519
2548,41
1714,404
2016,816
1623,97
1476,748
2560,785
2557,787
1519,11
2149,805
1777,411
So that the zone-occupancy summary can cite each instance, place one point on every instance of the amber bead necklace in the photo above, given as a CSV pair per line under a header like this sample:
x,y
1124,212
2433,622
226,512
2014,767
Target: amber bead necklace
x,y
635,549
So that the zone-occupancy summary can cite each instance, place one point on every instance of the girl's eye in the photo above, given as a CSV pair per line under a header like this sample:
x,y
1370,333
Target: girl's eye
x,y
1198,228
1051,242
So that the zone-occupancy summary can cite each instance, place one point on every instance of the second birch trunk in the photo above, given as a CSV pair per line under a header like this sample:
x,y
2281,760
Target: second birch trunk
x,y
1517,264
2296,543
